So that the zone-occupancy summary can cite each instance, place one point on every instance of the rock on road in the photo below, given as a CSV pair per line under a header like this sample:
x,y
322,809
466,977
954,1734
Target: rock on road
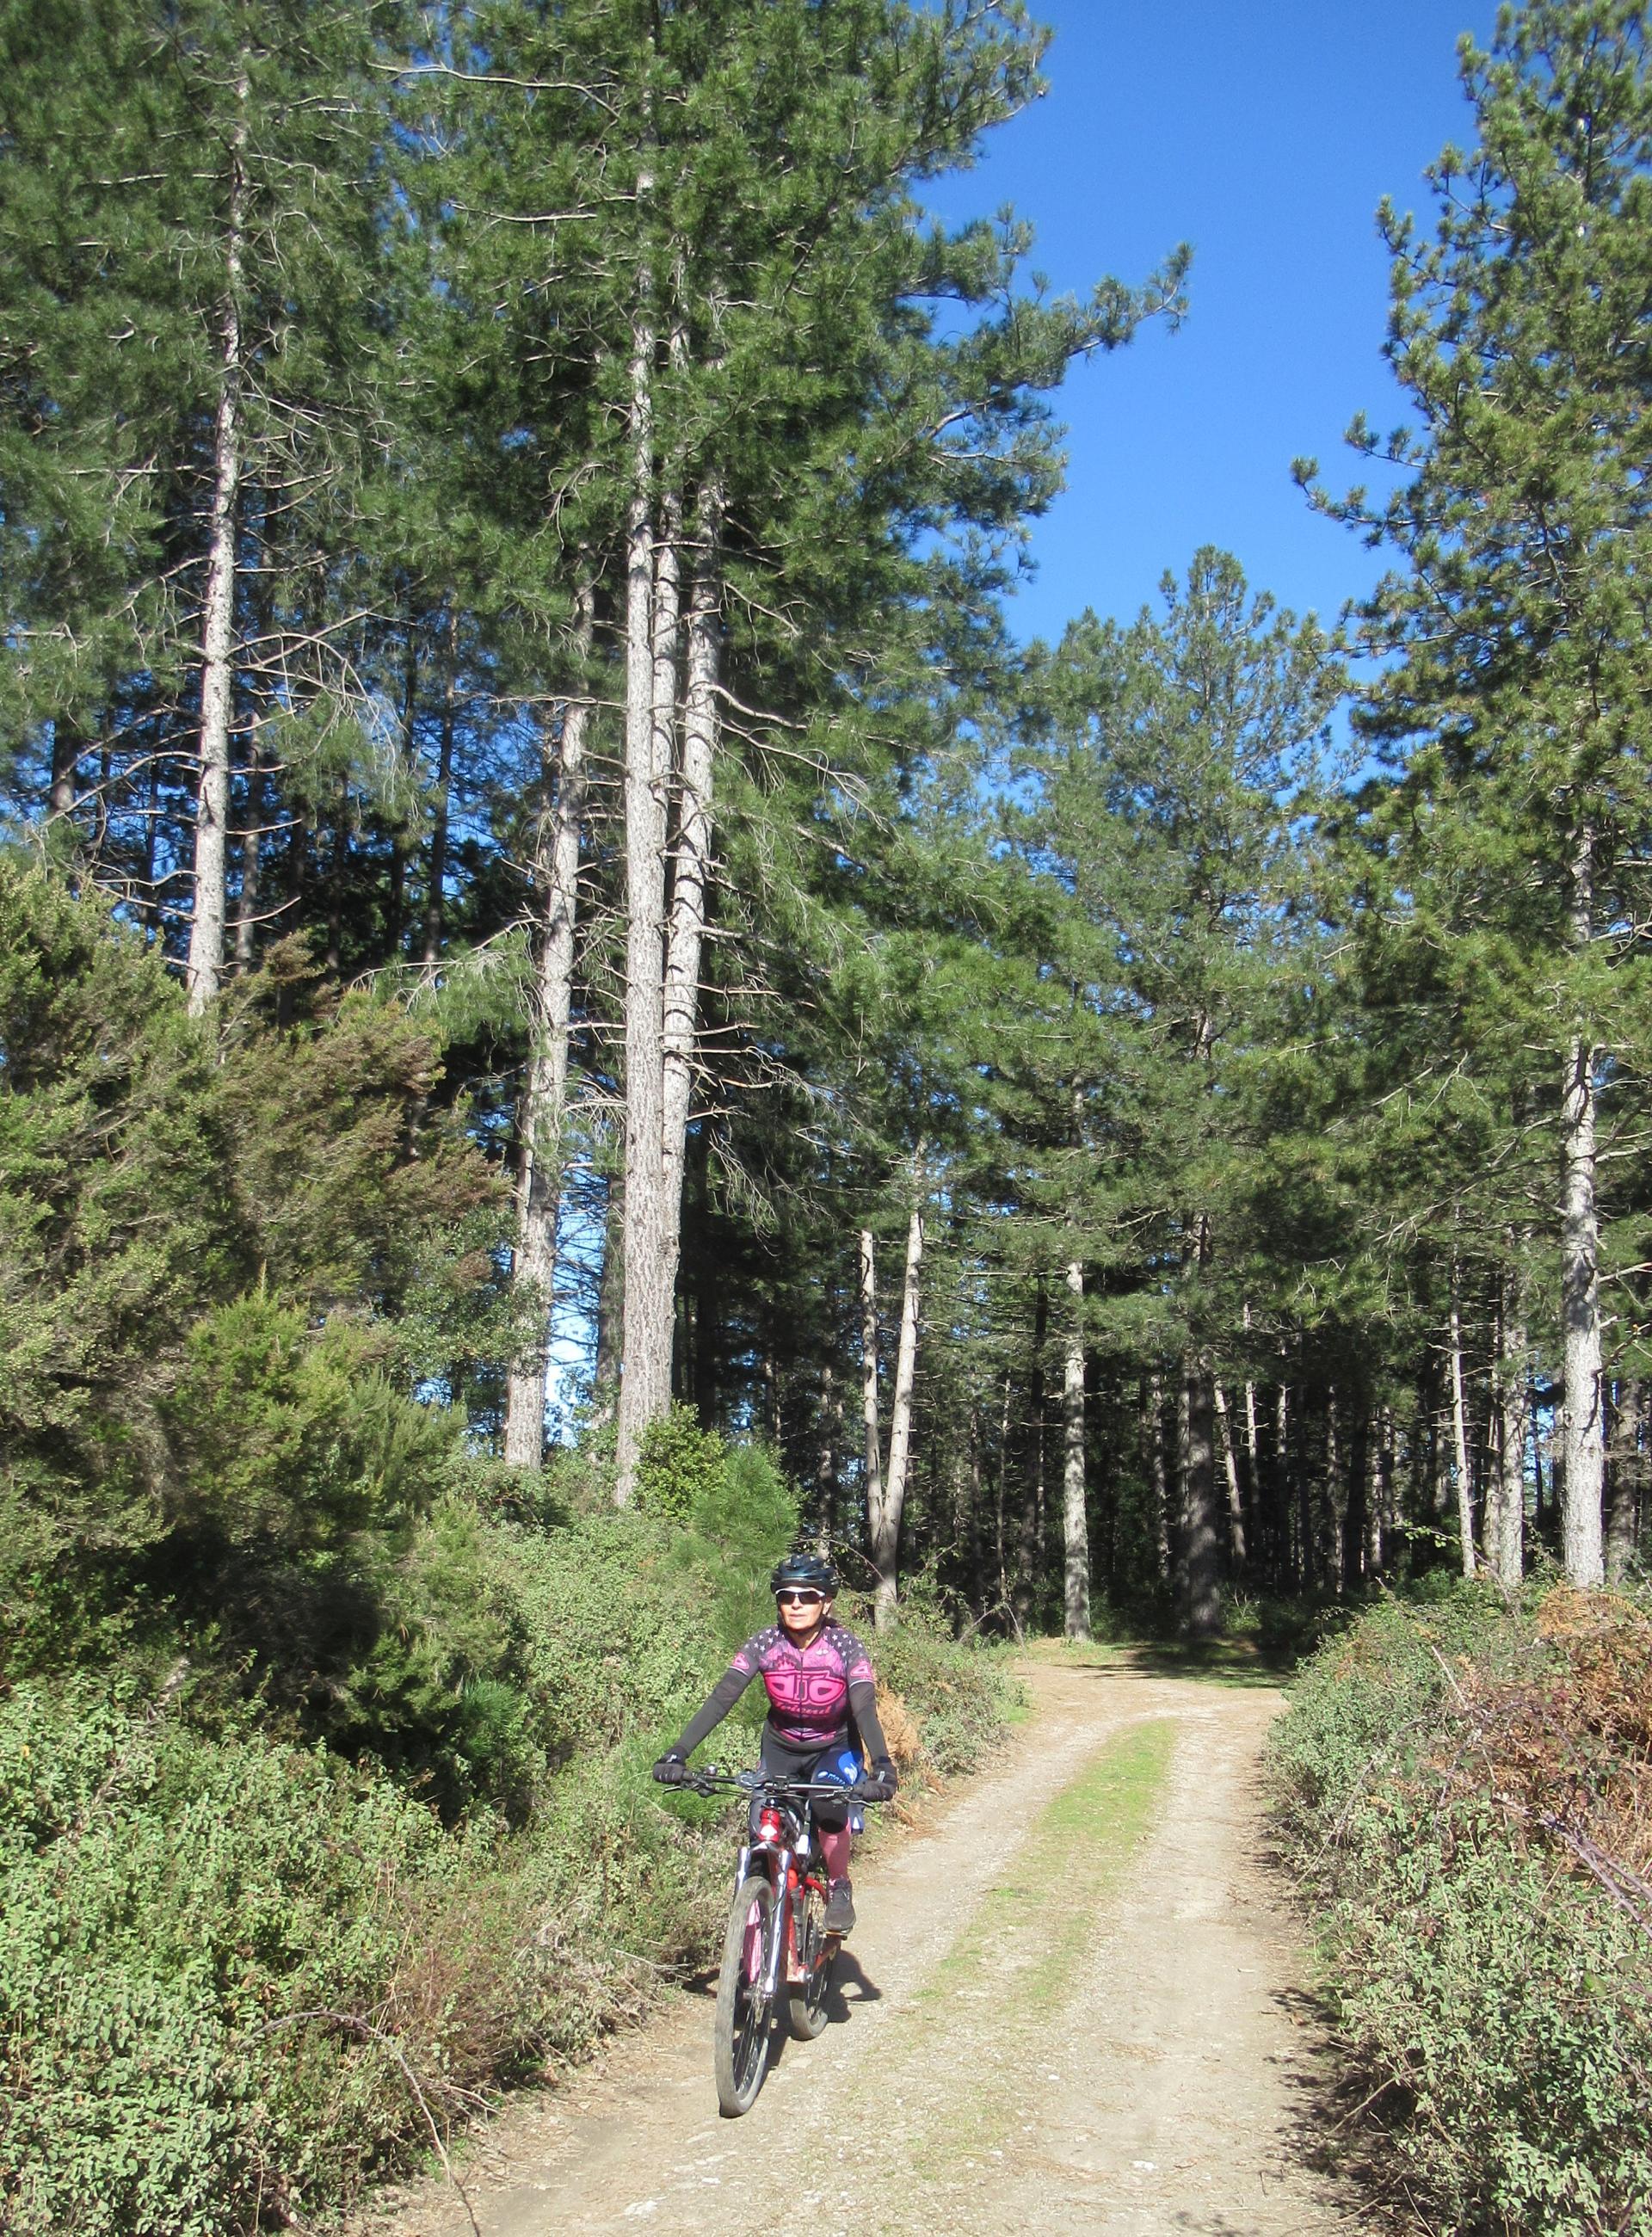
x,y
1165,2083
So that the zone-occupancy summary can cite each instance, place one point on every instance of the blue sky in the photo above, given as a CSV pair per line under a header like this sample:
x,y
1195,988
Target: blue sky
x,y
1266,136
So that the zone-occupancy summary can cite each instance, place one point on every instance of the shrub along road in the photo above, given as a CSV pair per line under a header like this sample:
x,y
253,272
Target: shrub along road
x,y
1071,2004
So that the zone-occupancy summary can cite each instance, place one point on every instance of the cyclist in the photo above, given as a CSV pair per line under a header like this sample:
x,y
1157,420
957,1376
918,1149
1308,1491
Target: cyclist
x,y
818,1677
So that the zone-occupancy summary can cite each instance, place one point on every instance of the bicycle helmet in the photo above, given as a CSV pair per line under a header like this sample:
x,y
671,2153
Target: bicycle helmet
x,y
806,1569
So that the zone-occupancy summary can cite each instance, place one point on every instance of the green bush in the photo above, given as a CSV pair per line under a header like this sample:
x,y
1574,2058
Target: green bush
x,y
738,1528
679,1466
1494,1998
221,1959
236,1971
195,1937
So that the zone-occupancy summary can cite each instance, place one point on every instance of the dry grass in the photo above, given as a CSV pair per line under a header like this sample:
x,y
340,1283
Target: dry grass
x,y
1564,1746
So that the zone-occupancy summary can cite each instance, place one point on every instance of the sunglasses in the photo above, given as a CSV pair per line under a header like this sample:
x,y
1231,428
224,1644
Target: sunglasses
x,y
800,1597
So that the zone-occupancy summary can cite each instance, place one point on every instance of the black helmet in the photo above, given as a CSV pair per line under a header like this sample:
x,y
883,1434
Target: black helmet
x,y
806,1569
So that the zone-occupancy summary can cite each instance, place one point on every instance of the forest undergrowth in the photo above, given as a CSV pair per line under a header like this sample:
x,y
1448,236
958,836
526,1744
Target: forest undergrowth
x,y
323,1737
1464,1789
241,1975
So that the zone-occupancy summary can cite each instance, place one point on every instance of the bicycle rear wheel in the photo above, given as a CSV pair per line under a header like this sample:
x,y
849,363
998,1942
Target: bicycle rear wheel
x,y
816,1954
740,2033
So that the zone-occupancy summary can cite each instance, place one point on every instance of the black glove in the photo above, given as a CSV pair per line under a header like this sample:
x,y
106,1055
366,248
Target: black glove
x,y
671,1770
877,1785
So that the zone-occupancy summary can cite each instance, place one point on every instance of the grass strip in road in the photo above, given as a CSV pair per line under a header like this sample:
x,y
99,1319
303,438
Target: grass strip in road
x,y
1031,1929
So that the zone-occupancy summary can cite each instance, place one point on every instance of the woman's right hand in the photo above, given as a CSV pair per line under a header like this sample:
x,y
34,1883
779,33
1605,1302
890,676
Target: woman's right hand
x,y
670,1770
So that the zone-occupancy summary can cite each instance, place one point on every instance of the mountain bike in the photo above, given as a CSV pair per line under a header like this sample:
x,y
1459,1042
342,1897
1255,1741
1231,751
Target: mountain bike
x,y
776,1945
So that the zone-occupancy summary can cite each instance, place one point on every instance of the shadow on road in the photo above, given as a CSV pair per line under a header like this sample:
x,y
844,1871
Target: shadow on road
x,y
1222,1663
849,1985
1336,2128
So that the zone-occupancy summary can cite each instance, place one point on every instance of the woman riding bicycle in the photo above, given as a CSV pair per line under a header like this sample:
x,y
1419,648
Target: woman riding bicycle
x,y
819,1679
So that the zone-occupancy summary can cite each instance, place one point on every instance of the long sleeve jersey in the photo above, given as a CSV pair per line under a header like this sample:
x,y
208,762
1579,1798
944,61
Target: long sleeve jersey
x,y
813,1691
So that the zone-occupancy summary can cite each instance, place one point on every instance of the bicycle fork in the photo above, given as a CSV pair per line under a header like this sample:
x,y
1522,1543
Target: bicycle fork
x,y
788,1888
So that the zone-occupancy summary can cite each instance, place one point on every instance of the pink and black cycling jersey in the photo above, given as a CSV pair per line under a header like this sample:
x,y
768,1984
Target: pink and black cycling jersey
x,y
813,1691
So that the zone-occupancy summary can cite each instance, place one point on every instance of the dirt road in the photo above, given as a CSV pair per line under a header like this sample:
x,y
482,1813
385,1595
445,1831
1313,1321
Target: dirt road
x,y
1071,2005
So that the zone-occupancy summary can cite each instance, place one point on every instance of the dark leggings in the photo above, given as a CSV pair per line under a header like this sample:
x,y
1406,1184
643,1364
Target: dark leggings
x,y
785,1760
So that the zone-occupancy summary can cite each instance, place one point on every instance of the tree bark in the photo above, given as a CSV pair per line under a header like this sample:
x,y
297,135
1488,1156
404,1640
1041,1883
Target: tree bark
x,y
1230,1464
651,642
1201,1603
690,871
1622,1534
1030,1536
1076,1533
1583,1431
609,1295
252,861
1153,1413
1505,1519
66,743
708,1289
886,1549
1379,1505
973,1536
1000,1487
873,1447
1354,1504
546,1093
204,968
831,1430
1250,1415
1460,1437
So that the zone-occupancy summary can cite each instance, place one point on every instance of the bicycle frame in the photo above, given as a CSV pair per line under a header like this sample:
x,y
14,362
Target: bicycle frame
x,y
784,1850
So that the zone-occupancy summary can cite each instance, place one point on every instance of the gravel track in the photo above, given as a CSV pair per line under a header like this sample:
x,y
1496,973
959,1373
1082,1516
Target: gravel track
x,y
1171,2085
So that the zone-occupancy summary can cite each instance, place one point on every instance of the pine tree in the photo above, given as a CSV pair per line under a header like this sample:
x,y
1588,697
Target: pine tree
x,y
1515,624
1185,763
189,202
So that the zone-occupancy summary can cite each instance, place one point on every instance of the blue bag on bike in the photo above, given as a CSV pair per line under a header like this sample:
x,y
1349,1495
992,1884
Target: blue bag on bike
x,y
843,1770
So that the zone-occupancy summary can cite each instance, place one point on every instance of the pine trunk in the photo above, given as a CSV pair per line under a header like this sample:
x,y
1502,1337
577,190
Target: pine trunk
x,y
1506,1519
831,1431
252,863
1201,1574
1622,1534
1029,1559
1460,1438
1230,1465
204,969
66,744
651,640
546,1093
691,874
1582,1444
1000,1486
885,1551
609,1296
875,1527
1152,1433
1075,1534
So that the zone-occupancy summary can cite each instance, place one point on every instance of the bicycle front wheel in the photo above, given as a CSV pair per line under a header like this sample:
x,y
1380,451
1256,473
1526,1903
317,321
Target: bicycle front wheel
x,y
806,1999
745,2011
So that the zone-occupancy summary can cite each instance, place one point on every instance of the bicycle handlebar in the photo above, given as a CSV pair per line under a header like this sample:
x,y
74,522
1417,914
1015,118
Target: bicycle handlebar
x,y
711,1780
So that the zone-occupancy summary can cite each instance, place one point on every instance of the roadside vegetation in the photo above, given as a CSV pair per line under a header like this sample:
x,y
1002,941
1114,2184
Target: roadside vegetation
x,y
1465,1790
241,1972
323,1737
